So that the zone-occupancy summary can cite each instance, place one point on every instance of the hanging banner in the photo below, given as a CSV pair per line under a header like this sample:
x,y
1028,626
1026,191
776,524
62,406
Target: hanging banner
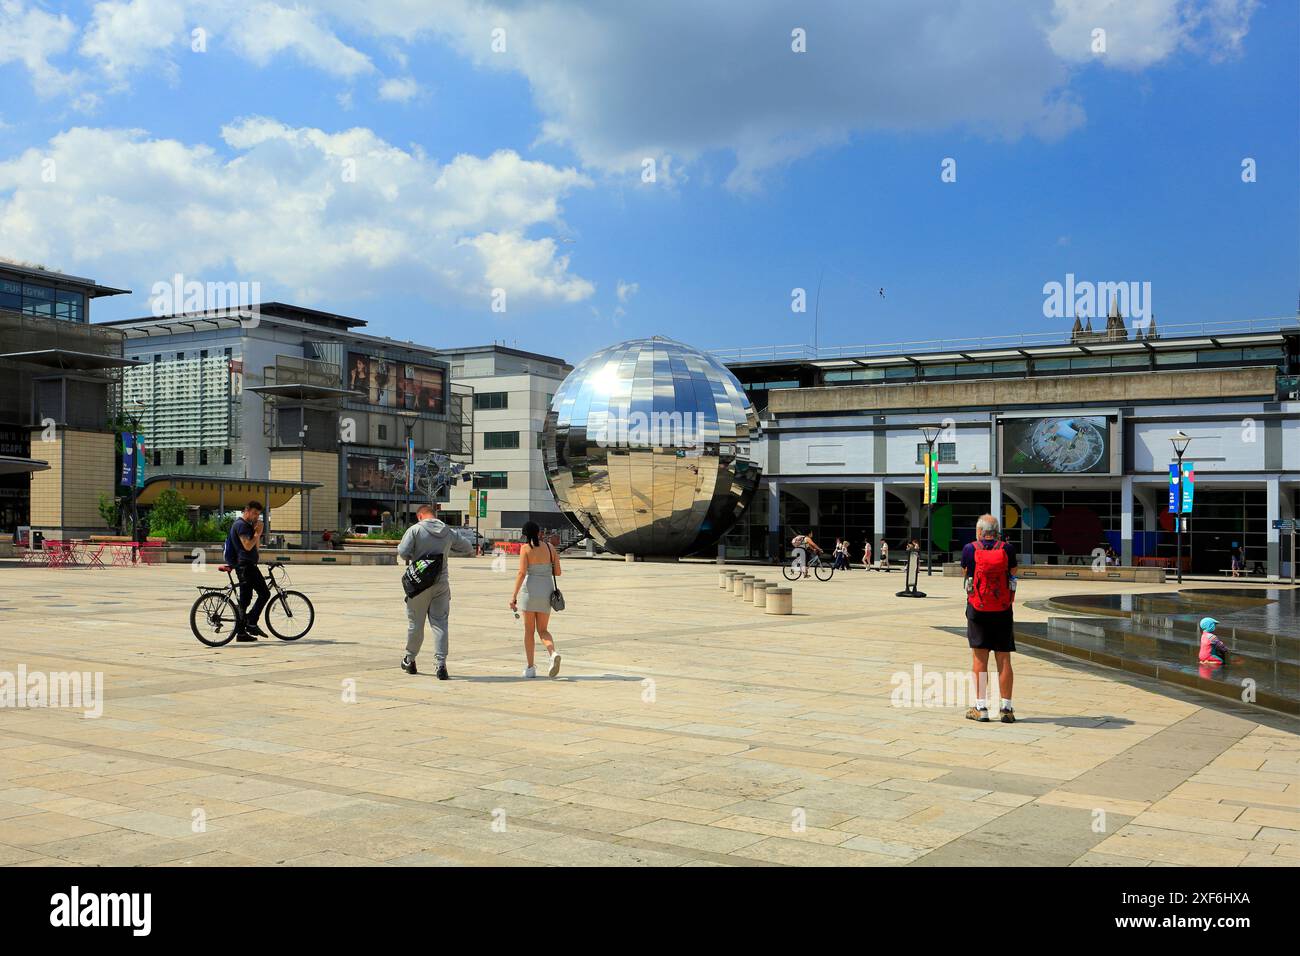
x,y
139,462
1189,486
1174,482
933,482
128,460
482,503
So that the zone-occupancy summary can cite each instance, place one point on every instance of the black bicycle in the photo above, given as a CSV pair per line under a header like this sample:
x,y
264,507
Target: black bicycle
x,y
216,618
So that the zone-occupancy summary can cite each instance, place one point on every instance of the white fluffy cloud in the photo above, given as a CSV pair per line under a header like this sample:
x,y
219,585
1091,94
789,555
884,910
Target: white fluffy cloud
x,y
621,82
399,89
1138,35
313,214
31,36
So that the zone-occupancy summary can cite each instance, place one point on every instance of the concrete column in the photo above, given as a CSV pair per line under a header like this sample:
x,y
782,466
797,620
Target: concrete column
x,y
995,499
1274,493
774,520
1126,520
877,516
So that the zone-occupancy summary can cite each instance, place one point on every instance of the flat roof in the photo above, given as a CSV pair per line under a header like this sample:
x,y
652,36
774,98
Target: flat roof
x,y
69,360
504,350
89,286
785,356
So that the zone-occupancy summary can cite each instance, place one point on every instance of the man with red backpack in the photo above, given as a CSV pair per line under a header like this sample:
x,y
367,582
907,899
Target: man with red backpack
x,y
989,565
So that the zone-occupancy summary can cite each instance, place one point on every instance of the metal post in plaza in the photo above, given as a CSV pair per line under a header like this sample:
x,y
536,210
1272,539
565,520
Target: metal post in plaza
x,y
137,406
931,433
1180,442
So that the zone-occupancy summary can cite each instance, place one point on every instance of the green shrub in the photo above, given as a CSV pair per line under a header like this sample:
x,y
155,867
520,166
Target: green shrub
x,y
169,508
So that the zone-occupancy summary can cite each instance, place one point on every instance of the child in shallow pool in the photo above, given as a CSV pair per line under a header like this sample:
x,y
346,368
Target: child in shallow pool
x,y
1214,653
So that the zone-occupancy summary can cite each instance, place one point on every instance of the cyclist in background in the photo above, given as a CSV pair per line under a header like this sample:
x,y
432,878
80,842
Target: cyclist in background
x,y
806,542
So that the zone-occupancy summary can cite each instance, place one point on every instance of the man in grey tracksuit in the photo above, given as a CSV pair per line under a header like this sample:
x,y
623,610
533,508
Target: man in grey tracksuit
x,y
429,536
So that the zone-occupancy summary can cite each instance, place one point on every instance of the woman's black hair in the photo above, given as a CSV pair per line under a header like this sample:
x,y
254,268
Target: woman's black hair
x,y
533,534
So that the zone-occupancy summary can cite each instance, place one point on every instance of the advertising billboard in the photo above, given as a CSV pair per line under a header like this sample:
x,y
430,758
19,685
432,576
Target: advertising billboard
x,y
402,385
1059,445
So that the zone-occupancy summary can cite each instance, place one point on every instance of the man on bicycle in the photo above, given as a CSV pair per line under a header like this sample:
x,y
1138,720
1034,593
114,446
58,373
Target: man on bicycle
x,y
805,543
241,554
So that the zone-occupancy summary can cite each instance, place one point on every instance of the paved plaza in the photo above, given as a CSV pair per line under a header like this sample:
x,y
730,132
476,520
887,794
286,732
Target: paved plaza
x,y
686,729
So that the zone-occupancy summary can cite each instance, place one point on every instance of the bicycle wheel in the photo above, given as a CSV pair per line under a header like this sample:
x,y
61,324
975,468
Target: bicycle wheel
x,y
290,615
824,572
790,573
214,618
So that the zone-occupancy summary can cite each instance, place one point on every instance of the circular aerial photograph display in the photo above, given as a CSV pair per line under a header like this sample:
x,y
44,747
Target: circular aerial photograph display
x,y
1057,446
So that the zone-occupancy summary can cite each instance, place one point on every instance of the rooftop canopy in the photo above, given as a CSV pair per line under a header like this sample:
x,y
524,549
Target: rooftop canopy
x,y
69,360
300,392
19,466
208,492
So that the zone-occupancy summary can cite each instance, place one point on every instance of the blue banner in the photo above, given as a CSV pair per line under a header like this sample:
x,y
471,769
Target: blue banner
x,y
1189,486
128,460
1174,482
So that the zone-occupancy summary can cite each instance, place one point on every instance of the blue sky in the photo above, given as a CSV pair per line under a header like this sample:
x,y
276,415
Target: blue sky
x,y
774,167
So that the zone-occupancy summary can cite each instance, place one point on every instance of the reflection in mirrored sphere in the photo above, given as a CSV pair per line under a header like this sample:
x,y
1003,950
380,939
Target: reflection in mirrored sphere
x,y
646,448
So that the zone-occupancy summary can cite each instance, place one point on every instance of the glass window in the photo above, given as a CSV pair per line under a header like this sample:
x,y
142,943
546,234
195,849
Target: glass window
x,y
157,459
70,306
1175,358
383,432
1090,361
1015,365
945,450
1272,352
1219,355
832,378
1129,361
227,457
939,371
11,295
1050,364
491,401
203,456
38,300
975,368
900,372
496,440
489,479
180,458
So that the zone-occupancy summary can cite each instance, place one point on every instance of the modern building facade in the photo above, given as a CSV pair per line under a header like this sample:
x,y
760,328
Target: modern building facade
x,y
513,390
1067,441
282,392
58,378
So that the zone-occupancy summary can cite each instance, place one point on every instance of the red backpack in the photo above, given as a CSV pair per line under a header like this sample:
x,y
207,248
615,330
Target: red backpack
x,y
991,589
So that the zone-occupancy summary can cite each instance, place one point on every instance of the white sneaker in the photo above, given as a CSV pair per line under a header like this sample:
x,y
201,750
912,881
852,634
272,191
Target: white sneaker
x,y
530,671
555,665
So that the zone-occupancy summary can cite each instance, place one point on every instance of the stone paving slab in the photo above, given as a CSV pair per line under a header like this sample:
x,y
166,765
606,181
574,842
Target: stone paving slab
x,y
686,729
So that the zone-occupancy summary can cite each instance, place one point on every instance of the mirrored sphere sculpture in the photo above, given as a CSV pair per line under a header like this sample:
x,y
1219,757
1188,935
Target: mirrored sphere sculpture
x,y
646,448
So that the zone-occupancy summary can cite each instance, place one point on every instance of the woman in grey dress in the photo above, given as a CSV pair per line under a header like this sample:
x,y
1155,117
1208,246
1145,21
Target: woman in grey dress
x,y
539,565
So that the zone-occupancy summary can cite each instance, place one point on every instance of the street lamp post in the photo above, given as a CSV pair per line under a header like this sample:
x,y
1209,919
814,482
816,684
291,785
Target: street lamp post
x,y
931,434
409,419
1180,442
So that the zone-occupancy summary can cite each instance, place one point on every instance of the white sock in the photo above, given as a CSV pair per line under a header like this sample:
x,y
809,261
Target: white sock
x,y
981,704
1006,703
